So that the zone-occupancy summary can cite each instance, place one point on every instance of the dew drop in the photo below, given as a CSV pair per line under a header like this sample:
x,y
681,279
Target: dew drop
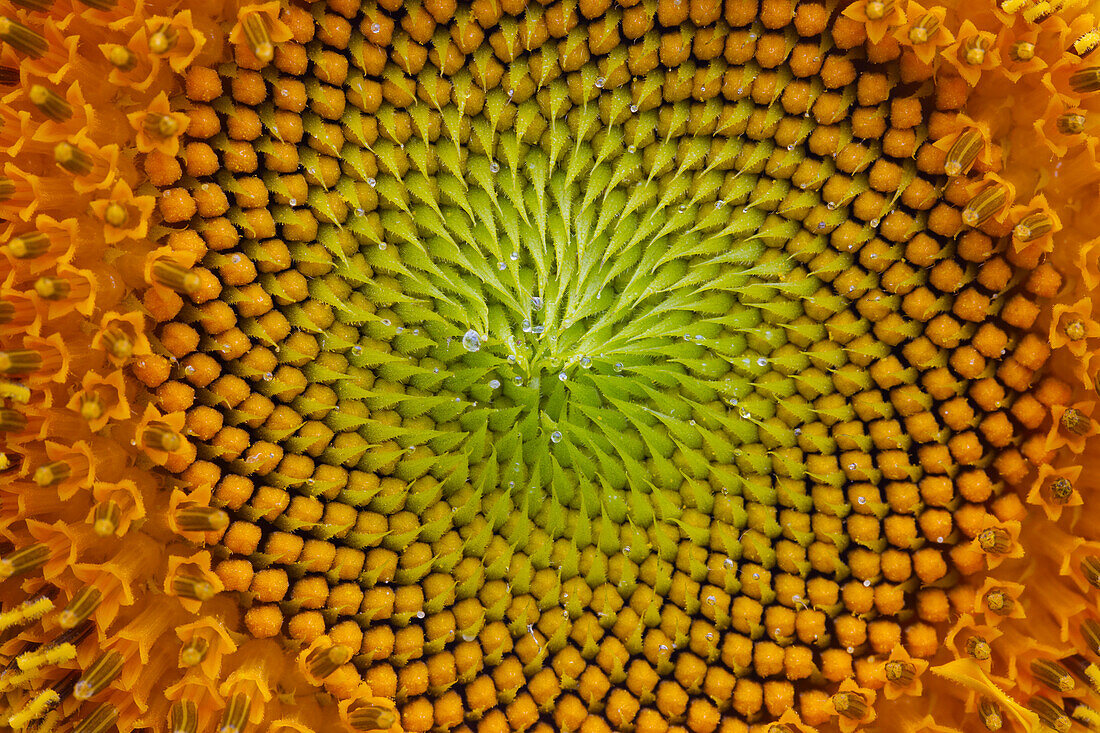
x,y
471,341
631,149
385,321
762,361
371,182
618,366
375,28
494,383
536,303
356,350
555,437
586,362
268,376
518,380
563,376
538,329
526,326
861,500
501,265
494,167
514,256
599,82
381,245
633,108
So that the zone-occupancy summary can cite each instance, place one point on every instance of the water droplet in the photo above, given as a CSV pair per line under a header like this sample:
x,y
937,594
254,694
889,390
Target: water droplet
x,y
631,149
371,182
762,361
494,167
633,108
375,28
861,500
356,350
563,376
501,265
700,337
494,383
518,380
268,376
293,202
830,206
514,256
874,223
599,82
798,431
435,371
538,329
866,584
586,362
536,303
719,204
526,326
511,359
471,341
399,329
385,321
555,437
381,245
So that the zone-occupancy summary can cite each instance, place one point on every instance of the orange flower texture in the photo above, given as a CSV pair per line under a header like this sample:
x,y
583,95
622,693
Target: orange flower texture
x,y
654,366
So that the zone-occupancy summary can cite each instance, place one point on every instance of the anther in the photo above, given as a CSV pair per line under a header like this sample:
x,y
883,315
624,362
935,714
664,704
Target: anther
x,y
1076,421
995,541
1090,630
83,604
122,58
50,103
963,152
1052,674
19,361
118,343
158,436
989,713
194,651
9,76
1083,713
28,246
1033,226
988,202
1012,6
999,602
1086,43
101,720
22,38
323,662
116,215
161,126
1071,123
11,420
371,718
26,612
24,560
42,703
189,586
1022,51
1084,670
236,714
49,474
45,656
52,288
96,678
7,188
1050,714
978,648
1061,489
258,37
900,673
183,717
91,406
163,39
974,50
175,277
1038,12
72,159
924,28
1090,568
851,705
1085,80
878,9
106,518
7,312
201,518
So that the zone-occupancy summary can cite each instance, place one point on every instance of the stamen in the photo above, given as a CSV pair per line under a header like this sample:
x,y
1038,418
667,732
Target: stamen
x,y
1071,123
42,703
50,103
83,604
52,473
171,275
11,420
201,518
102,672
24,560
974,50
371,718
1085,80
924,28
183,717
101,720
1051,715
22,38
323,662
963,152
1052,674
1061,490
158,436
100,4
15,392
236,714
161,126
1090,630
1076,421
978,648
850,705
7,312
1038,12
988,202
1033,226
52,288
995,541
25,612
194,651
7,188
1074,330
999,602
1086,43
122,58
989,713
91,406
28,246
20,361
258,37
1090,568
1022,51
46,656
1085,670
9,76
1086,715
901,673
72,159
118,343
116,215
188,586
878,9
106,518
163,39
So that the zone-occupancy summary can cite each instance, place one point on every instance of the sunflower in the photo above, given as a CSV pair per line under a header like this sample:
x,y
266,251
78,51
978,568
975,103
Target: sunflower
x,y
570,365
